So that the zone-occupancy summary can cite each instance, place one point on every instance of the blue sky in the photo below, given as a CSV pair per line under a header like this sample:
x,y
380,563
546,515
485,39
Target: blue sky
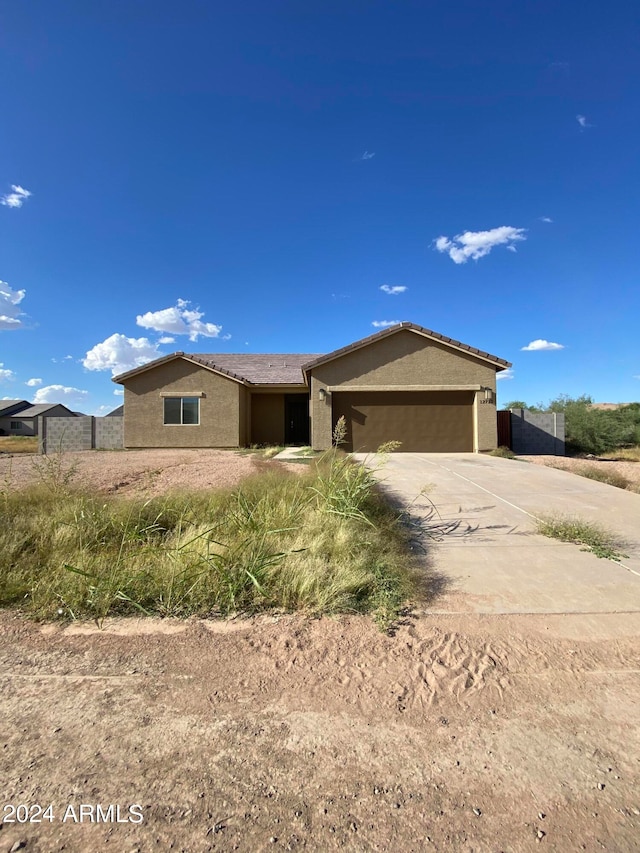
x,y
248,176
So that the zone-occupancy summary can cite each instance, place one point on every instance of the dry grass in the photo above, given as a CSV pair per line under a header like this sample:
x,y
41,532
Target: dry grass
x,y
323,542
18,444
602,475
628,454
503,453
620,473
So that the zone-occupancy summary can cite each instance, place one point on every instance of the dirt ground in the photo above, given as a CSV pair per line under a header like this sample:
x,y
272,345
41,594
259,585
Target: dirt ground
x,y
136,472
628,469
456,732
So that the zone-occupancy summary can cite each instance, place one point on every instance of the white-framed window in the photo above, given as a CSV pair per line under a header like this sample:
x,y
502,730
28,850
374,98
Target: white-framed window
x,y
181,411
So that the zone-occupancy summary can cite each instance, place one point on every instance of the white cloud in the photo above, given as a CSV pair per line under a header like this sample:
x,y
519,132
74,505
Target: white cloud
x,y
546,219
9,301
582,121
393,290
477,244
6,375
179,320
119,392
33,383
382,324
118,354
505,374
166,339
368,155
540,344
16,198
60,394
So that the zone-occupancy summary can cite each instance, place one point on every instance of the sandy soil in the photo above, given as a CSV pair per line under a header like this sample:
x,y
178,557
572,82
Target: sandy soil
x,y
630,470
458,732
464,733
139,472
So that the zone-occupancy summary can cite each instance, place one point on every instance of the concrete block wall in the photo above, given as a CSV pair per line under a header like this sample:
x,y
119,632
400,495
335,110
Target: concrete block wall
x,y
537,432
108,433
82,433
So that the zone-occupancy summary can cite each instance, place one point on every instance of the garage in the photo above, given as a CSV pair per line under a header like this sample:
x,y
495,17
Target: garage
x,y
424,421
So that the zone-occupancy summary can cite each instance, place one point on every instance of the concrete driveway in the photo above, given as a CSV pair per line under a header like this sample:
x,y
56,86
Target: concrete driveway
x,y
477,516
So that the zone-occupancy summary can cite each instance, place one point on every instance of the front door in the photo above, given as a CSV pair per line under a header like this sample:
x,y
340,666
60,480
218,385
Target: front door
x,y
296,419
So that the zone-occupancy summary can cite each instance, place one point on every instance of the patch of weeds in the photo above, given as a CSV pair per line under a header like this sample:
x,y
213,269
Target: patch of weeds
x,y
503,453
602,475
343,486
55,471
323,542
7,481
592,537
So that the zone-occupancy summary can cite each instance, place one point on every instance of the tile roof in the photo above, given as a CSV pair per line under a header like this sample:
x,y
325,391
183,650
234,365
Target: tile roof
x,y
259,368
291,368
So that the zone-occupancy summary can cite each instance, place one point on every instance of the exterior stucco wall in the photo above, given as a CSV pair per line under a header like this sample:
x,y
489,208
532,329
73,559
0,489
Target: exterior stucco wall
x,y
402,361
221,420
244,413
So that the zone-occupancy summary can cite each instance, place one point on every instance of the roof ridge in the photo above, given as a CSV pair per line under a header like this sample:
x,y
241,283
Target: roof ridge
x,y
397,327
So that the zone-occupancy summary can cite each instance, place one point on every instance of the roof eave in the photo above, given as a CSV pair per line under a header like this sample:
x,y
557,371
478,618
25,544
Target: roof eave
x,y
123,377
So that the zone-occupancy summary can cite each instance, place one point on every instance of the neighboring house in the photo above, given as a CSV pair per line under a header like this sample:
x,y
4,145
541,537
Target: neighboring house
x,y
406,383
116,413
19,417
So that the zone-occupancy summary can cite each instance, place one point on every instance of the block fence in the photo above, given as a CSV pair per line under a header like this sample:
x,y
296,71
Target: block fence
x,y
531,433
537,432
81,433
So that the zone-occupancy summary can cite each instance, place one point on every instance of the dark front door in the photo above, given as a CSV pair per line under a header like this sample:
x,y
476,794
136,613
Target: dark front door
x,y
296,419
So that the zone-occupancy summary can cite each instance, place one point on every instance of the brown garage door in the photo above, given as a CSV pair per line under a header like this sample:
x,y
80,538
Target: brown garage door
x,y
424,421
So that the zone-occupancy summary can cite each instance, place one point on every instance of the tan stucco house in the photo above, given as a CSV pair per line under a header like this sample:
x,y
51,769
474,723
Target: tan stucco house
x,y
406,383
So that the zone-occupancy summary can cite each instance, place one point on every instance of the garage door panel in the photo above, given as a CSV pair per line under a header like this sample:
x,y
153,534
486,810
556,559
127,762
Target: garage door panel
x,y
436,422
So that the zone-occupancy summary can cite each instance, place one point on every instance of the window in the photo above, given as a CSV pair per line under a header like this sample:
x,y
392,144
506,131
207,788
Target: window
x,y
182,410
16,424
